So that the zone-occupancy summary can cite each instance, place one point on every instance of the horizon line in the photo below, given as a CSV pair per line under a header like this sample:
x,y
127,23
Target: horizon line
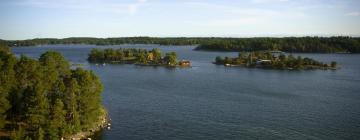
x,y
234,37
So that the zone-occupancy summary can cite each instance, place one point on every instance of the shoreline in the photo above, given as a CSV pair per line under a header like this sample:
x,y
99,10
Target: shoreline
x,y
103,122
141,64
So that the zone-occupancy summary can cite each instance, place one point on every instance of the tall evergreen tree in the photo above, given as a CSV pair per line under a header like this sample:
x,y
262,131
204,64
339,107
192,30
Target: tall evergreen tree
x,y
40,134
71,106
18,134
7,81
47,100
89,99
57,120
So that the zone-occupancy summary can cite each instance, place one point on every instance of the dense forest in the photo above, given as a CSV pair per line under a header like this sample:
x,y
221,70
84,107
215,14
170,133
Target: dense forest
x,y
45,99
109,41
152,57
287,44
271,60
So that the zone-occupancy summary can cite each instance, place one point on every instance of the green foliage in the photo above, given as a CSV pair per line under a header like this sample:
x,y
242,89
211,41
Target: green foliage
x,y
7,81
71,106
34,105
57,120
112,55
55,60
138,56
89,103
17,134
4,47
333,64
96,55
287,44
28,138
40,134
157,55
272,61
170,59
142,57
45,99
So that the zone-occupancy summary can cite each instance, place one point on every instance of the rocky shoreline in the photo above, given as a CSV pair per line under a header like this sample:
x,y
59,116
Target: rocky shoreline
x,y
104,122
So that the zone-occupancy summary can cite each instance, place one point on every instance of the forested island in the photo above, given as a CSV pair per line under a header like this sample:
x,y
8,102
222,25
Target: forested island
x,y
273,60
339,44
135,56
46,100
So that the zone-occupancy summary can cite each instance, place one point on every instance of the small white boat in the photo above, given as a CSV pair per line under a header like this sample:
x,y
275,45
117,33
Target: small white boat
x,y
104,64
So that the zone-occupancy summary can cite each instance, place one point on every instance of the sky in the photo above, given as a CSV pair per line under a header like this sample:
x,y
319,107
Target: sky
x,y
28,19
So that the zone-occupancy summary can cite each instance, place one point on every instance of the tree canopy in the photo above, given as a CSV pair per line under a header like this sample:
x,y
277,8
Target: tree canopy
x,y
152,57
45,99
287,44
271,60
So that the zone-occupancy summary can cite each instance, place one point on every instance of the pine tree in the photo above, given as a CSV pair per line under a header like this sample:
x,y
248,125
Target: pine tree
x,y
47,99
157,55
40,134
56,68
70,103
7,81
18,135
37,108
34,101
57,120
52,58
28,138
89,100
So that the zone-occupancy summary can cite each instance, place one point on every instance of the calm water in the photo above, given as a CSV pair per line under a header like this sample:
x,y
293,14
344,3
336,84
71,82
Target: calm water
x,y
216,102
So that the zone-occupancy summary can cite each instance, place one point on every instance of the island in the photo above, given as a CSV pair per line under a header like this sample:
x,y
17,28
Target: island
x,y
273,60
140,57
45,99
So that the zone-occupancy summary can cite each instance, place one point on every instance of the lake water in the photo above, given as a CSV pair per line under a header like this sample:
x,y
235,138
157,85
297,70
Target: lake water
x,y
215,102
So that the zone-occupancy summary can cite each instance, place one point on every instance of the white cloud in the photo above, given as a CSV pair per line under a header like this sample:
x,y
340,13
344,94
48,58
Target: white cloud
x,y
87,5
133,8
252,12
268,1
353,14
233,22
236,10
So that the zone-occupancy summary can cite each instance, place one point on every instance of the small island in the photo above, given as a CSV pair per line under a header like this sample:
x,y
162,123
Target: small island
x,y
140,57
274,60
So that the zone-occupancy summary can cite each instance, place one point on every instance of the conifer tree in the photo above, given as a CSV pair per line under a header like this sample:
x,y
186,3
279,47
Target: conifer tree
x,y
57,120
7,81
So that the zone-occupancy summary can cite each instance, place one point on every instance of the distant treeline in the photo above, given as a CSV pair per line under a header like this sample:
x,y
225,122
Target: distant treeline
x,y
109,41
45,99
287,44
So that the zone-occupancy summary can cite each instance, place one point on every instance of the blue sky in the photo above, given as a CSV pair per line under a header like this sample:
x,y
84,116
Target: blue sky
x,y
26,19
